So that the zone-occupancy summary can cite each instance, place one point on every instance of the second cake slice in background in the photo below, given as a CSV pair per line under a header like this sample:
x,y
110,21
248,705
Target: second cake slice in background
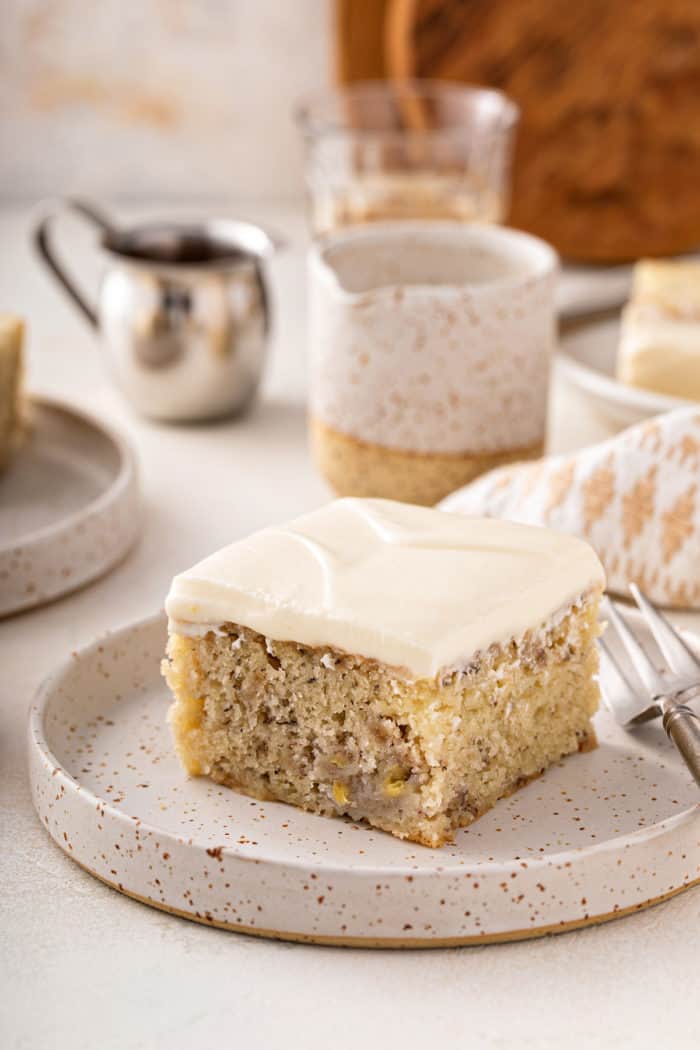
x,y
660,340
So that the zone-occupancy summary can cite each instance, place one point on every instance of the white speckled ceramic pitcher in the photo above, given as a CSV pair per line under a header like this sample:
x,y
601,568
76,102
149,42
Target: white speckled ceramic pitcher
x,y
430,349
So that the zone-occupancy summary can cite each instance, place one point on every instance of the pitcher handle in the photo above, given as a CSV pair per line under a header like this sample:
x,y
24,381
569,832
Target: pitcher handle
x,y
43,243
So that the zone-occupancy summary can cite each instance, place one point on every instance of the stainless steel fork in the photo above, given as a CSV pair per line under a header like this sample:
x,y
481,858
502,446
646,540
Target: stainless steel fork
x,y
659,693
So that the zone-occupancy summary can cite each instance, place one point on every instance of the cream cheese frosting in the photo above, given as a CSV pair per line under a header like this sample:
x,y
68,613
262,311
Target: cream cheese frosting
x,y
412,587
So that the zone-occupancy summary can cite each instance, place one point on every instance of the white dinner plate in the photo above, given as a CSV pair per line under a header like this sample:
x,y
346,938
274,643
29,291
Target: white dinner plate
x,y
69,506
599,835
587,357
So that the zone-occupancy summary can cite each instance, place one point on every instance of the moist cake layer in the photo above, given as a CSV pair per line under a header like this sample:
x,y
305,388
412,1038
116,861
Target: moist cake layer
x,y
415,589
341,735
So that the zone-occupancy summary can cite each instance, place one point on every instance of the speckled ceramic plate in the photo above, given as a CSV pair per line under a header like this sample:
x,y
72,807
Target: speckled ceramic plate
x,y
587,359
599,835
69,506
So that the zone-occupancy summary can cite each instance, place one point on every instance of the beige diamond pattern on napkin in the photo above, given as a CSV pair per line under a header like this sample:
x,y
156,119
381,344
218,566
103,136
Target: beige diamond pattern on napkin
x,y
635,498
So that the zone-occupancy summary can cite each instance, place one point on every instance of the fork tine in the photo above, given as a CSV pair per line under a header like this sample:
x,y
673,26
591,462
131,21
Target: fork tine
x,y
614,683
621,697
648,674
680,658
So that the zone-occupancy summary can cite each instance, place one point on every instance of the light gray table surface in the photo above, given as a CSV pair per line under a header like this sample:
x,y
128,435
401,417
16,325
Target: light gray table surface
x,y
82,967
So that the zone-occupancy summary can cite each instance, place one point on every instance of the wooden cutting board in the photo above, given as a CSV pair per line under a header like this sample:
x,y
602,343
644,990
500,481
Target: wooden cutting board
x,y
608,158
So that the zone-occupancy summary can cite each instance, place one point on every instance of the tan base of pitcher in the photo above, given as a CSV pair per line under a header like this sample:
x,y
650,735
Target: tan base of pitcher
x,y
358,468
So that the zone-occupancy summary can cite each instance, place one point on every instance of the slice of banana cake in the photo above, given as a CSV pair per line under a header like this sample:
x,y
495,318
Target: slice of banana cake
x,y
388,662
11,338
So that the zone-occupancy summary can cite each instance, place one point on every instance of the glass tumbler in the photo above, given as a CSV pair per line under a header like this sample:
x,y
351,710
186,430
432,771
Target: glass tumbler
x,y
417,149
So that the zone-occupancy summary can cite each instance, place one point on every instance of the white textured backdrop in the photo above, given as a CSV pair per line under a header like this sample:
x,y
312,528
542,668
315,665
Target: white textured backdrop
x,y
156,98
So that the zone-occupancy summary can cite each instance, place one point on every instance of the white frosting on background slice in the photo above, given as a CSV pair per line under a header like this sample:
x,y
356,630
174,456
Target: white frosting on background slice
x,y
412,587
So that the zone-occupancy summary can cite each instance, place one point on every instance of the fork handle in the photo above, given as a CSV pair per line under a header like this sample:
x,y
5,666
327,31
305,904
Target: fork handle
x,y
683,727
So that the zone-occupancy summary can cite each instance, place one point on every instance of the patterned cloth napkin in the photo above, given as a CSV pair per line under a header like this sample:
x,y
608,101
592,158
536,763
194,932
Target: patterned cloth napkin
x,y
635,498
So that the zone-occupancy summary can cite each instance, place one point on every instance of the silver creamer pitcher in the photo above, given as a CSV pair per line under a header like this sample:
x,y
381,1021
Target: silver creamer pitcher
x,y
182,309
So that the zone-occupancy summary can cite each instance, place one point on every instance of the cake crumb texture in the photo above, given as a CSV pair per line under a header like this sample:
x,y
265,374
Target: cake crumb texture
x,y
339,735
